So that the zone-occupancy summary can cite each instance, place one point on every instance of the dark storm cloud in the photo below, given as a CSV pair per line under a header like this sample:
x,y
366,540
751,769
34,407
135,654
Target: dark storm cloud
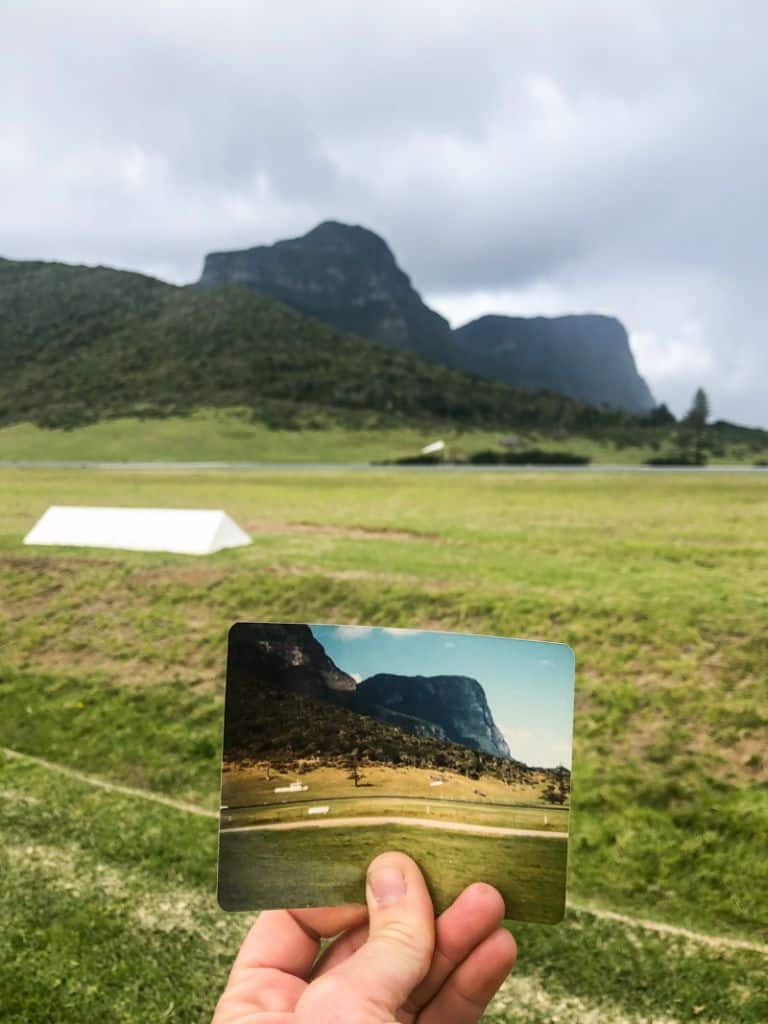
x,y
530,157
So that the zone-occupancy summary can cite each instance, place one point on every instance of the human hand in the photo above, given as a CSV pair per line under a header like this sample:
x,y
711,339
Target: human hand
x,y
391,962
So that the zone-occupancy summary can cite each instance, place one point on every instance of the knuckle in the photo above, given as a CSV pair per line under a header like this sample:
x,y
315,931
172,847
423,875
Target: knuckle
x,y
413,943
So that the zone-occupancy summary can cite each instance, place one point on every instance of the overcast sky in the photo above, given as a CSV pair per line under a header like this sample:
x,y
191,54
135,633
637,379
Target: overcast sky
x,y
520,157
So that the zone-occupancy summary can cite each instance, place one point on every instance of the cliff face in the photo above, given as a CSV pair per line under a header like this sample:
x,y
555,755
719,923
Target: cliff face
x,y
282,656
585,357
455,705
268,658
345,276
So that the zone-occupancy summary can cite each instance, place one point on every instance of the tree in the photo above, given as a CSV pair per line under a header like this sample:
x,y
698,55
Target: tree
x,y
353,767
660,416
696,419
698,414
563,777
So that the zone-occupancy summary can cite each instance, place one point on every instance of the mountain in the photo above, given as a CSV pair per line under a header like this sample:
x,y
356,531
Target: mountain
x,y
456,705
586,357
81,344
347,276
344,275
266,657
286,656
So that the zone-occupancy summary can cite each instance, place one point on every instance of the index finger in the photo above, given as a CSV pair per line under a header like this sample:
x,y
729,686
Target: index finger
x,y
289,940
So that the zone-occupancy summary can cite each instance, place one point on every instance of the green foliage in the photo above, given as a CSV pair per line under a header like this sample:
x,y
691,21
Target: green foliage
x,y
78,345
287,729
698,414
695,423
528,457
679,458
661,416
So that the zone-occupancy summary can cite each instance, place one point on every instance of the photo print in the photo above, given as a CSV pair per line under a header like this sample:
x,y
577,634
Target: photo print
x,y
341,742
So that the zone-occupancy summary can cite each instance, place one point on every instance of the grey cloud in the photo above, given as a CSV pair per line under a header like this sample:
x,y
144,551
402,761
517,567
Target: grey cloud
x,y
578,156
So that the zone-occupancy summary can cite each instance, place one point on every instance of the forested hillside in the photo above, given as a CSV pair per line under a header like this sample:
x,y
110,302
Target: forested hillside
x,y
80,344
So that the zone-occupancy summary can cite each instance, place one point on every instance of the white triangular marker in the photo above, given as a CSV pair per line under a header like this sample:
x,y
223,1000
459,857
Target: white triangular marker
x,y
177,530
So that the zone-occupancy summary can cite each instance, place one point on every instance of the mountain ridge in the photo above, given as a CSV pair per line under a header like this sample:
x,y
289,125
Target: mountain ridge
x,y
81,344
532,353
452,709
457,705
347,276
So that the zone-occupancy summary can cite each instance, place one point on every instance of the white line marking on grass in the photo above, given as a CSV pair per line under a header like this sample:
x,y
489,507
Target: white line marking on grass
x,y
128,889
713,941
525,999
446,826
111,787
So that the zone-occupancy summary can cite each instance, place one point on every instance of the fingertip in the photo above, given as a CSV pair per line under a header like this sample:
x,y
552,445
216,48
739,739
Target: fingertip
x,y
391,877
502,947
401,936
485,899
394,858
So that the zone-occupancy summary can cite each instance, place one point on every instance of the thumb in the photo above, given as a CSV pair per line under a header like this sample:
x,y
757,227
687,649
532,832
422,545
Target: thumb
x,y
380,976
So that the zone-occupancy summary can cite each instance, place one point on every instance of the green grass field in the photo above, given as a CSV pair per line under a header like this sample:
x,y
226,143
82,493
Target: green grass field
x,y
546,819
231,435
531,869
248,785
112,666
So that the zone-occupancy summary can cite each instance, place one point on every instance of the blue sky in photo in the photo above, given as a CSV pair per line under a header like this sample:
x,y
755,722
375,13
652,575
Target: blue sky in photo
x,y
528,684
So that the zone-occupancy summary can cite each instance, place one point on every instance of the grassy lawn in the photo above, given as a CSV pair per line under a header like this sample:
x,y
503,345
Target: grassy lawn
x,y
495,815
531,869
112,663
230,435
248,785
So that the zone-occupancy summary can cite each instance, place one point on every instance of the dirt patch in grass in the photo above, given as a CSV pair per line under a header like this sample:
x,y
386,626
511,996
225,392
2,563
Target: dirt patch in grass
x,y
195,574
139,624
651,737
742,763
264,526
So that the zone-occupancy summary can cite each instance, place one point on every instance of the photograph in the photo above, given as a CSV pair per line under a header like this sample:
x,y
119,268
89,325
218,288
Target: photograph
x,y
425,343
341,742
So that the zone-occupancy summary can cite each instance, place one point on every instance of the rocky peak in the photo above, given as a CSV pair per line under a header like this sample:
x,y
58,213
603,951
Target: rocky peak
x,y
456,705
271,656
587,357
342,274
342,241
286,656
347,276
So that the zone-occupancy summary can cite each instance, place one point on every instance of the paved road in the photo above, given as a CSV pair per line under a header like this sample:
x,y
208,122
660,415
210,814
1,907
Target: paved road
x,y
366,467
446,826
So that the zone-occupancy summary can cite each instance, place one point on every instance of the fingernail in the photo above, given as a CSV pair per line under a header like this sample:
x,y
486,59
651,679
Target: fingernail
x,y
387,884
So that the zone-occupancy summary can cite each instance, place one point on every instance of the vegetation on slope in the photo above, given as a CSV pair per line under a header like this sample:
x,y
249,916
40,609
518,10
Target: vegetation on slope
x,y
287,729
78,345
315,435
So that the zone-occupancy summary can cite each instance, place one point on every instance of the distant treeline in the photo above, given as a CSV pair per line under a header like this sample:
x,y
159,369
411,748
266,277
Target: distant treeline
x,y
79,344
491,457
286,730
